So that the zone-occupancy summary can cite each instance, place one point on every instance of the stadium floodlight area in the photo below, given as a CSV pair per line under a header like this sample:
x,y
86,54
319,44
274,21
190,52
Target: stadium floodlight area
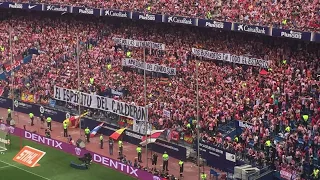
x,y
4,141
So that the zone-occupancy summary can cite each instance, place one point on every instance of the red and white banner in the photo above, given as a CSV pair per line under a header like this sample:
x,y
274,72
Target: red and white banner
x,y
285,174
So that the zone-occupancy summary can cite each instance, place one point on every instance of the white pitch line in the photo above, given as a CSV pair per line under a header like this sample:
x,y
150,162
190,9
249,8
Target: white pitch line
x,y
24,170
4,167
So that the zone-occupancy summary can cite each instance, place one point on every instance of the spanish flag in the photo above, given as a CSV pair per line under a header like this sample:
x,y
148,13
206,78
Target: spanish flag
x,y
117,134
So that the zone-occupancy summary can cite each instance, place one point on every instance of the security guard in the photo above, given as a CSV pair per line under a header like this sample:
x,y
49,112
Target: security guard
x,y
305,118
87,133
101,141
267,145
139,153
49,123
288,129
65,129
42,120
203,176
154,160
315,173
236,139
181,168
165,158
120,144
31,118
9,113
110,146
91,80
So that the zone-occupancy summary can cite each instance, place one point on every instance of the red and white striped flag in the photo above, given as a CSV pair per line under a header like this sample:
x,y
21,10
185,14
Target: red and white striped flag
x,y
152,137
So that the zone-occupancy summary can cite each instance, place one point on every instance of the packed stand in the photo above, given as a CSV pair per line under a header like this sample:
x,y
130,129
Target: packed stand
x,y
271,102
286,14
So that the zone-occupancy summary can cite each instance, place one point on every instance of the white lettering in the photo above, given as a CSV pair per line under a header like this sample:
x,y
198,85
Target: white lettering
x,y
292,34
180,20
116,14
16,6
148,17
215,24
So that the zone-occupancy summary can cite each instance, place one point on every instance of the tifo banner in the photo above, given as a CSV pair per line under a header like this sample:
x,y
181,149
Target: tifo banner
x,y
29,156
148,67
130,136
68,148
164,18
214,154
230,58
100,102
137,43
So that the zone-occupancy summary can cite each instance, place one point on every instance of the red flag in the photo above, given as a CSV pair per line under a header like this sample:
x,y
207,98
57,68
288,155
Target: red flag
x,y
153,136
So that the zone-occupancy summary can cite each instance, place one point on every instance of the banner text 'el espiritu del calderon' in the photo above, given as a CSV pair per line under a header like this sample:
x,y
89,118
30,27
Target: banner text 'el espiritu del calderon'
x,y
100,102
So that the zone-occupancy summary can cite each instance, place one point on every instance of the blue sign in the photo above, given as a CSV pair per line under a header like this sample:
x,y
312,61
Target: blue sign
x,y
242,124
35,7
117,13
306,36
217,157
57,8
11,5
132,137
214,24
251,29
146,17
239,27
180,20
84,10
317,37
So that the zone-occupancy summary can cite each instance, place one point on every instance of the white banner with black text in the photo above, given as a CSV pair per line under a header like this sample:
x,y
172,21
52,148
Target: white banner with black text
x,y
100,102
230,58
149,67
141,126
139,44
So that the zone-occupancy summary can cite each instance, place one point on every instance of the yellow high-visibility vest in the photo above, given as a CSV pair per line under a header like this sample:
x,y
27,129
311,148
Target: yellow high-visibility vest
x,y
49,119
120,143
138,149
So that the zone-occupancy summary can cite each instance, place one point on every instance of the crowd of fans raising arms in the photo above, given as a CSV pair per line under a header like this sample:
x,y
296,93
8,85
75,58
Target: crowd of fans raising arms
x,y
272,102
298,15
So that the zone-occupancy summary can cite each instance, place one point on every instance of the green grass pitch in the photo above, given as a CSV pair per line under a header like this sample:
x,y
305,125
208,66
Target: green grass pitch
x,y
55,165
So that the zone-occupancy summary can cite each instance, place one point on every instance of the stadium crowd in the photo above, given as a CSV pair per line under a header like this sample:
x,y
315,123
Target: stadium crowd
x,y
299,15
283,102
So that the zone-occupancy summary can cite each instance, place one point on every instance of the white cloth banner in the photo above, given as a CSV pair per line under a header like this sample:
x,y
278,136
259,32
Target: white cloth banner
x,y
140,127
149,67
230,58
100,102
140,44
